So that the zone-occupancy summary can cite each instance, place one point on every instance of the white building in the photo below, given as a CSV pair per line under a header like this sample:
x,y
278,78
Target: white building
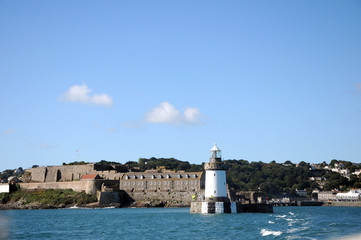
x,y
4,188
357,172
352,195
327,196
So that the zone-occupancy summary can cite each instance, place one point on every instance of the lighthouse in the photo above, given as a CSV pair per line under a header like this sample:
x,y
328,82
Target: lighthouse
x,y
215,193
216,199
215,184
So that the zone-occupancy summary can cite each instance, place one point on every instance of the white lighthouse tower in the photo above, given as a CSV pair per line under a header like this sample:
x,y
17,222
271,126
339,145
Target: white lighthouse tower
x,y
216,187
215,198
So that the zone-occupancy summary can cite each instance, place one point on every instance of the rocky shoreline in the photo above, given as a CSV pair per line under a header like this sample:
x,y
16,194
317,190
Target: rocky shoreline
x,y
20,205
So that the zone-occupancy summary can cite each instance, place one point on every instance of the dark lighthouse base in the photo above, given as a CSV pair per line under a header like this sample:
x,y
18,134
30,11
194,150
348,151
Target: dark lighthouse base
x,y
230,207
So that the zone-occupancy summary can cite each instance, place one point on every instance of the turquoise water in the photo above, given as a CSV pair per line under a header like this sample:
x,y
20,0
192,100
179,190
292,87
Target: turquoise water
x,y
171,223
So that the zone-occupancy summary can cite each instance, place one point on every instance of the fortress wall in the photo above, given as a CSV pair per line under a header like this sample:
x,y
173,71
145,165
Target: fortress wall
x,y
51,174
78,186
110,174
38,174
74,172
88,186
63,173
184,197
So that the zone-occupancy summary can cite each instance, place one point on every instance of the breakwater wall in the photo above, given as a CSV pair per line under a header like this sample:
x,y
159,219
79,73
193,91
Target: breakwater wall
x,y
342,204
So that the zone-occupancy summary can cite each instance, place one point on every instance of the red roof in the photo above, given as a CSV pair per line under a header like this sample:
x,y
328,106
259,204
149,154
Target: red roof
x,y
90,176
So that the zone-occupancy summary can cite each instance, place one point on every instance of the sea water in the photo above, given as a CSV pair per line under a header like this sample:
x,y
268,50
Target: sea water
x,y
178,223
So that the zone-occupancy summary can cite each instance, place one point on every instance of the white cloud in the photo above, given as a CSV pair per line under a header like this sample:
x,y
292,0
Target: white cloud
x,y
167,113
192,115
82,94
9,131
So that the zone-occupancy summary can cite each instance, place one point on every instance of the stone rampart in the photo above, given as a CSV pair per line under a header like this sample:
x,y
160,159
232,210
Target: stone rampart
x,y
77,186
174,196
62,173
38,174
106,198
110,174
51,175
87,186
67,173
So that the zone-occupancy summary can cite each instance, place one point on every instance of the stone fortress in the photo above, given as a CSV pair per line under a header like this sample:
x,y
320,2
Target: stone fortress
x,y
204,192
160,184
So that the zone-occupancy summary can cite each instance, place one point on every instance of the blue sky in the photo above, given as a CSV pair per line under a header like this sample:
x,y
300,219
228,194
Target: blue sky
x,y
120,80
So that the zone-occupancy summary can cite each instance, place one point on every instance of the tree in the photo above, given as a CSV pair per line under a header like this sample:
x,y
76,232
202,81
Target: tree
x,y
288,162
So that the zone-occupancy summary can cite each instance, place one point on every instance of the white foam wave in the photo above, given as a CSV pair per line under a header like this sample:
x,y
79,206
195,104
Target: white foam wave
x,y
271,222
292,213
293,230
281,216
265,232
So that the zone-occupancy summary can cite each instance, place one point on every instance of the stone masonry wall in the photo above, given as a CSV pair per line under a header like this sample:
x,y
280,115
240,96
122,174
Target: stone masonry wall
x,y
38,174
78,186
183,197
69,173
88,186
61,173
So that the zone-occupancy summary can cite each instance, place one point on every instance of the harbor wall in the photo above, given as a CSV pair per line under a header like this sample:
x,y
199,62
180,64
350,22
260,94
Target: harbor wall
x,y
343,204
